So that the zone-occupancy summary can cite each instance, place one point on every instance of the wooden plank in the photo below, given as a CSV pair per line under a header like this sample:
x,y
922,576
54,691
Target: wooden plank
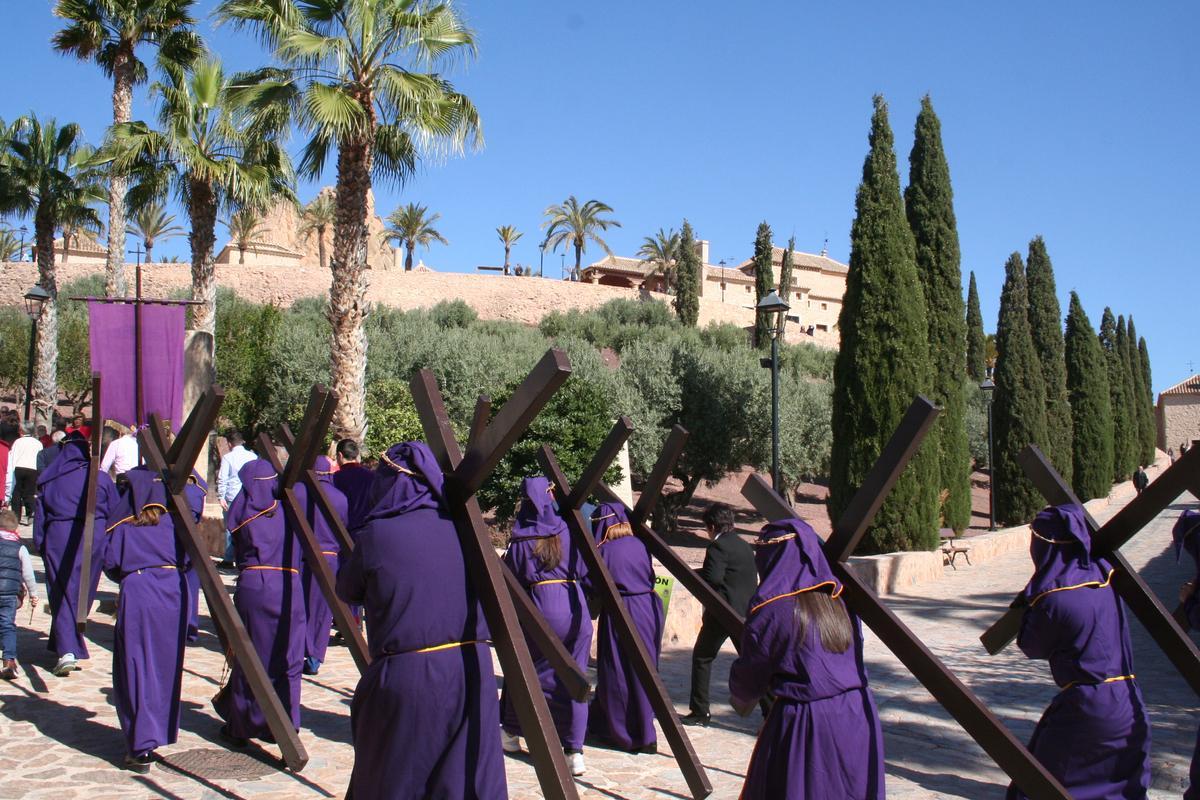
x,y
660,474
1182,476
326,580
632,647
87,544
765,499
313,483
479,423
601,461
483,567
961,703
220,605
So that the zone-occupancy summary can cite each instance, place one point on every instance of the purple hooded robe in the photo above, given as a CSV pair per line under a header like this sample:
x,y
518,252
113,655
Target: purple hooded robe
x,y
150,564
620,712
1186,534
559,596
424,717
822,737
57,532
318,614
1095,735
269,599
196,491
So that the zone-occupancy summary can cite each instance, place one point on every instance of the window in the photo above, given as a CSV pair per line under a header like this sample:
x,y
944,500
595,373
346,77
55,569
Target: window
x,y
823,327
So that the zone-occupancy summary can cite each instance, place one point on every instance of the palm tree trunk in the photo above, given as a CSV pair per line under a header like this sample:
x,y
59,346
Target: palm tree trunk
x,y
45,375
241,254
321,247
66,244
202,210
347,294
408,248
148,246
122,101
578,261
507,248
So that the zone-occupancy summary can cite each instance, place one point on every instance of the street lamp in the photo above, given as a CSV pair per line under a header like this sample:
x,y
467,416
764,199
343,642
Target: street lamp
x,y
773,304
988,388
34,299
542,258
21,253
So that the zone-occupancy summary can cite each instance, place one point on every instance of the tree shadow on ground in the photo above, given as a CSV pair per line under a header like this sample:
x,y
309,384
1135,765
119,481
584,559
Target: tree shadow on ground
x,y
72,727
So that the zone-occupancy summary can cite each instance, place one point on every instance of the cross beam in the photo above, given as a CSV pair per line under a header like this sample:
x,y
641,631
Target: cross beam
x,y
237,639
570,500
639,517
962,704
464,475
289,475
83,602
1182,476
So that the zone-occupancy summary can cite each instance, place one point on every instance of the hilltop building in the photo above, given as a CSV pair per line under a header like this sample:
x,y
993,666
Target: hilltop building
x,y
1179,414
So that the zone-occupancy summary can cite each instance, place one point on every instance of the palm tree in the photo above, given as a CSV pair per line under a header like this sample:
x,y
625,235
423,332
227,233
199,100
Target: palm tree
x,y
245,230
365,78
408,227
10,245
42,173
661,250
151,223
82,217
508,236
109,32
571,225
318,217
216,151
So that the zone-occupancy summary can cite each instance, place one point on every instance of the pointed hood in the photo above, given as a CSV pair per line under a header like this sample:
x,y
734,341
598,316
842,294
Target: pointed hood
x,y
74,456
408,478
608,515
1186,535
790,561
260,491
538,517
1061,548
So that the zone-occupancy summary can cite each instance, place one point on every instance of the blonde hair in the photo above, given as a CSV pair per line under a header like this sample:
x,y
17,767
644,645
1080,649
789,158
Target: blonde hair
x,y
617,531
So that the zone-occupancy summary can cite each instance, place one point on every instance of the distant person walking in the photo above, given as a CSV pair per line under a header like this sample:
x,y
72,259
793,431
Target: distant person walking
x,y
121,455
49,453
22,473
229,483
1140,479
729,568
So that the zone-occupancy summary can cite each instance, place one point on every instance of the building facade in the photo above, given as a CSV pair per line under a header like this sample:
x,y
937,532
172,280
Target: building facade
x,y
1178,414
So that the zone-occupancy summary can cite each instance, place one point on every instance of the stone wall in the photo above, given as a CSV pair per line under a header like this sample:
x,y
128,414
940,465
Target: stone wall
x,y
1178,420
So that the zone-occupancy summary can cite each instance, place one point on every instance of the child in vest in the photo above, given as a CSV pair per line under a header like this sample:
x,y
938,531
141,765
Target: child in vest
x,y
16,583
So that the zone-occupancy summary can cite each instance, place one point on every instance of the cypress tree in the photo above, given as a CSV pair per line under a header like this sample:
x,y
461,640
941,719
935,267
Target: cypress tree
x,y
1143,402
687,277
1124,447
929,203
1091,406
884,357
1045,323
1019,412
976,340
764,282
1132,410
785,278
1144,357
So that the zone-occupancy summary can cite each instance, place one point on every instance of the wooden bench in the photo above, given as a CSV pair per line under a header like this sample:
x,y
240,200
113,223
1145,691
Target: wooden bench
x,y
951,548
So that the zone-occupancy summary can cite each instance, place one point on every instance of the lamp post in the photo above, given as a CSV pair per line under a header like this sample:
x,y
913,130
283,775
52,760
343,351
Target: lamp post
x,y
34,299
773,304
542,257
988,388
21,253
562,266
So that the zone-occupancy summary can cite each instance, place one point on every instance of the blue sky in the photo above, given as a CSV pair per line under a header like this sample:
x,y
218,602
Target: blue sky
x,y
1071,120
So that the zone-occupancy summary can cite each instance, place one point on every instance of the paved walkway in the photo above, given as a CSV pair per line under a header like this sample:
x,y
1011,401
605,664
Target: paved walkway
x,y
61,739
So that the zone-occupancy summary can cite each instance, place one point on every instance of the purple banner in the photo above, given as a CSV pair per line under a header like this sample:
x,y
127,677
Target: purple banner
x,y
111,337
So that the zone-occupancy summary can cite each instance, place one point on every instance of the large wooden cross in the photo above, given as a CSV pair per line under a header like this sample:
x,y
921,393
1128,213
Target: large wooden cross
x,y
86,543
465,473
175,465
962,704
1183,475
570,502
302,454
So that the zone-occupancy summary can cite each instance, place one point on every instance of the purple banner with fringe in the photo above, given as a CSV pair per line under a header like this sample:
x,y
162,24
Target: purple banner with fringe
x,y
111,338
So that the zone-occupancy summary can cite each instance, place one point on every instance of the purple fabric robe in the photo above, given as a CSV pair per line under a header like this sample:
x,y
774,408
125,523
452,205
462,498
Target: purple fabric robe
x,y
822,737
197,491
621,712
150,564
318,614
57,532
355,481
269,599
424,716
557,593
1095,735
1186,534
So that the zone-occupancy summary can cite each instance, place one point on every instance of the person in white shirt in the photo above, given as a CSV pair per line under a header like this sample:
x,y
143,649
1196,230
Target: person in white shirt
x,y
229,484
121,455
22,474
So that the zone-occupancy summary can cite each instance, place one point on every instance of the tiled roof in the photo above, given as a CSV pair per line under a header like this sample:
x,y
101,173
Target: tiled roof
x,y
802,261
1188,386
633,266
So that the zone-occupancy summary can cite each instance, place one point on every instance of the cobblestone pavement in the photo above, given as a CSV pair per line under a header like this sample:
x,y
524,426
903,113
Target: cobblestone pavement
x,y
61,739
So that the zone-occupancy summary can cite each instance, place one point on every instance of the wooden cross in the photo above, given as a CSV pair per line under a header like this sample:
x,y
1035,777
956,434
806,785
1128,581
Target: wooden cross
x,y
87,548
175,466
639,517
1183,475
465,473
962,704
301,456
570,503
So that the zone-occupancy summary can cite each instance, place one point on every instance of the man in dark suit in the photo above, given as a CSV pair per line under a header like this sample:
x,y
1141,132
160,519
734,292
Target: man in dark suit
x,y
729,568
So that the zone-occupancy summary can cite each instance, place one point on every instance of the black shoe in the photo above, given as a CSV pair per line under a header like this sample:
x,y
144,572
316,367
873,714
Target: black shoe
x,y
225,566
139,764
697,719
228,738
647,750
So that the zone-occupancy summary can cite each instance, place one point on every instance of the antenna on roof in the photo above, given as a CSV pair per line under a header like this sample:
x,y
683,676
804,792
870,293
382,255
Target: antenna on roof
x,y
825,247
